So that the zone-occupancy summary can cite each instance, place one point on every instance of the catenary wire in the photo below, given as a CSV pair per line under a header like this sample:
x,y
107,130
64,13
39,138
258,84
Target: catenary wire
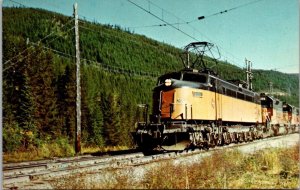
x,y
149,12
169,24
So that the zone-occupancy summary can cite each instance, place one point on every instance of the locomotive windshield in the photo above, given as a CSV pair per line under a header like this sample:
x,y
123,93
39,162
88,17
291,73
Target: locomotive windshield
x,y
192,77
162,79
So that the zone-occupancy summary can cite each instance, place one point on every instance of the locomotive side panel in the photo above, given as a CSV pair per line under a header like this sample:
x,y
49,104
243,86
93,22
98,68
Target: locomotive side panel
x,y
287,114
273,110
190,103
278,117
199,104
237,110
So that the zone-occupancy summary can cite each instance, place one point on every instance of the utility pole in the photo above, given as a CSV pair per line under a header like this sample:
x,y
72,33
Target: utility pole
x,y
188,59
249,74
271,87
78,90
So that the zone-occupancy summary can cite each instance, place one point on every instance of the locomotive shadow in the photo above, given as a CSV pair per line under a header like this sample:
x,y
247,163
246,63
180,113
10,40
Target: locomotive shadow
x,y
115,153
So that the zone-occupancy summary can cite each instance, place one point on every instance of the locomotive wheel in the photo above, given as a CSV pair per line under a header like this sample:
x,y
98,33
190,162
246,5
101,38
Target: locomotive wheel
x,y
220,140
275,130
235,137
229,137
211,141
216,139
255,135
245,137
206,143
241,137
250,136
226,138
286,129
293,128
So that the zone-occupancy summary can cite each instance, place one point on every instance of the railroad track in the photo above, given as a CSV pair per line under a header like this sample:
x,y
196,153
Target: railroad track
x,y
26,172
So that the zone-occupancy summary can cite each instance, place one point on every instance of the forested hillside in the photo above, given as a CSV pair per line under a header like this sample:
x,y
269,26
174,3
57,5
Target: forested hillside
x,y
119,70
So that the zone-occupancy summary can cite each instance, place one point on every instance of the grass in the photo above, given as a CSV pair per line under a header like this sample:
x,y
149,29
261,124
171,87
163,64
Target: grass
x,y
54,149
97,149
270,168
44,151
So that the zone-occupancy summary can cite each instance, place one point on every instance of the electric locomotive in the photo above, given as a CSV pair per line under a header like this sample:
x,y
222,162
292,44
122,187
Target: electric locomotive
x,y
196,108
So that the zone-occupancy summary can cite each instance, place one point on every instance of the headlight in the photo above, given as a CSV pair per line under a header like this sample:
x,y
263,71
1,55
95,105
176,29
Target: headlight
x,y
168,82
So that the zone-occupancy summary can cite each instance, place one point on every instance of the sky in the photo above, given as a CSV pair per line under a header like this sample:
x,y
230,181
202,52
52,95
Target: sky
x,y
266,32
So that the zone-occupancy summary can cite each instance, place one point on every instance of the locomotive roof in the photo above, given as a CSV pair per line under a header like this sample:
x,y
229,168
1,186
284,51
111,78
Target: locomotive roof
x,y
209,74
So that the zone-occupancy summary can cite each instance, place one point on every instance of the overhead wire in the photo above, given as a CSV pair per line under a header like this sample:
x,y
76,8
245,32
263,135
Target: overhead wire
x,y
195,29
169,24
193,20
227,10
158,25
108,68
223,50
18,3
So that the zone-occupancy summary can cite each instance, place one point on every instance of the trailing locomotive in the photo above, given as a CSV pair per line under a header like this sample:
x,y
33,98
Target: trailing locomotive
x,y
193,108
279,116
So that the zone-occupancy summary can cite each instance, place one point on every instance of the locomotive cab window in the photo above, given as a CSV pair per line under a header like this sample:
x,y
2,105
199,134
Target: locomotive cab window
x,y
212,81
230,93
162,79
240,96
194,77
249,98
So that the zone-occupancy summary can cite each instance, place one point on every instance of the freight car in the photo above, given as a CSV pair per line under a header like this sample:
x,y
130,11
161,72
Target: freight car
x,y
196,108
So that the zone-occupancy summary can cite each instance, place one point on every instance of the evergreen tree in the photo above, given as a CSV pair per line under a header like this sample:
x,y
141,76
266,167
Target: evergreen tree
x,y
70,102
40,78
127,118
17,107
96,127
66,97
111,118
